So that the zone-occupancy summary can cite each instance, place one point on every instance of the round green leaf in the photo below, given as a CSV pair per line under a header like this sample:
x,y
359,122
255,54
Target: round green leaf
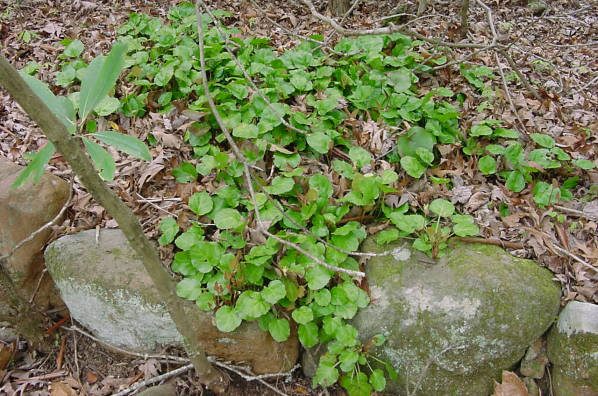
x,y
250,305
487,165
317,277
274,292
303,315
319,141
201,203
169,228
480,130
308,334
189,288
407,223
377,380
227,319
584,164
228,218
322,297
206,302
442,207
412,166
515,181
542,140
279,329
246,131
326,374
465,229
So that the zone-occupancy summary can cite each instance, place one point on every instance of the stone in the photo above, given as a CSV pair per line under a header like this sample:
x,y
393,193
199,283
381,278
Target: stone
x,y
107,289
535,360
454,324
22,211
167,389
573,350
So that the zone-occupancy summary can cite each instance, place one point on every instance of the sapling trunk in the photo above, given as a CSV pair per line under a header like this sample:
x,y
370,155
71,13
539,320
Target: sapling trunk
x,y
71,150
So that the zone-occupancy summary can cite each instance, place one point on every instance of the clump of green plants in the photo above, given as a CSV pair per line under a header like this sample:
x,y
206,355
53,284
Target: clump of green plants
x,y
314,185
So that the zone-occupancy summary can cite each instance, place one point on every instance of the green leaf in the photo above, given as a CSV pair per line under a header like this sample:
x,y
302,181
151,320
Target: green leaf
x,y
515,181
584,164
400,80
189,288
250,305
206,302
107,106
356,385
347,335
545,194
279,329
228,218
407,223
169,228
99,78
442,207
465,229
360,156
319,141
425,155
74,49
495,149
303,315
201,203
412,166
164,75
274,292
125,143
35,169
227,319
487,164
422,244
386,236
308,334
416,137
317,277
101,158
61,107
480,130
185,173
506,133
280,185
246,131
326,375
322,297
377,380
542,140
348,358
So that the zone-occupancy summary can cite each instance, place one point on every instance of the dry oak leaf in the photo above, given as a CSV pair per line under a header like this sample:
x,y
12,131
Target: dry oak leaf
x,y
511,386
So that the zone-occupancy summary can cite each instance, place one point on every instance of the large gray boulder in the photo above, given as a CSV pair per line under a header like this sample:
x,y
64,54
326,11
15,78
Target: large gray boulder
x,y
573,350
22,211
453,325
107,289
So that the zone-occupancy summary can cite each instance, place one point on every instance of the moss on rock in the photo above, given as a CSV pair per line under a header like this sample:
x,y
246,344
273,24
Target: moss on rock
x,y
472,313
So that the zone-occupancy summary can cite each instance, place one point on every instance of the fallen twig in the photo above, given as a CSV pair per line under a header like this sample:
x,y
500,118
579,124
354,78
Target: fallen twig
x,y
154,380
576,212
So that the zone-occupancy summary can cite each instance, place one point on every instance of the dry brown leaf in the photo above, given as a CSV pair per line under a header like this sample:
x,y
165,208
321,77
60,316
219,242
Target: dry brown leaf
x,y
511,386
61,389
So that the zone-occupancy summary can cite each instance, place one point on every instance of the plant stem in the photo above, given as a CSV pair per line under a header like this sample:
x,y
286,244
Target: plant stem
x,y
71,149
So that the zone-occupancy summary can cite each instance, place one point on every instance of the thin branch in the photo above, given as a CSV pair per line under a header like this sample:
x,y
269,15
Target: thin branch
x,y
523,78
508,95
155,379
383,30
350,10
576,212
574,257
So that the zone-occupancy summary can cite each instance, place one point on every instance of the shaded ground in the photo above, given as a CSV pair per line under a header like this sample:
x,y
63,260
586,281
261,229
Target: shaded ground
x,y
555,50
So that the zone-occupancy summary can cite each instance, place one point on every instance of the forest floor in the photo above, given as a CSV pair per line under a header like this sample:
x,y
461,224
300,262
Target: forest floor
x,y
555,49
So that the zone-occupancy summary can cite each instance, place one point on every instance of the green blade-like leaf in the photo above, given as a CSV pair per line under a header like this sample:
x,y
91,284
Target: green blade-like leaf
x,y
61,107
99,78
101,158
125,143
35,169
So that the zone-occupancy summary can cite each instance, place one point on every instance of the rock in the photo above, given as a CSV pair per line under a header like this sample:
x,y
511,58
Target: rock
x,y
23,211
167,389
535,360
573,350
458,322
107,289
